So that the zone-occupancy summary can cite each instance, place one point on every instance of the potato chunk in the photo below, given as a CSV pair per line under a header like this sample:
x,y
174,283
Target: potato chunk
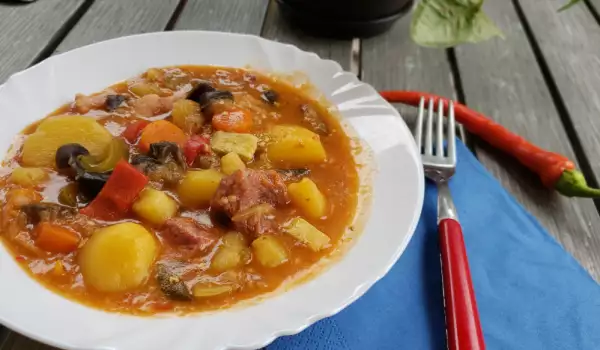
x,y
201,290
232,253
226,258
231,162
243,144
307,197
269,251
306,233
39,149
295,146
142,89
198,187
28,177
187,116
118,257
154,206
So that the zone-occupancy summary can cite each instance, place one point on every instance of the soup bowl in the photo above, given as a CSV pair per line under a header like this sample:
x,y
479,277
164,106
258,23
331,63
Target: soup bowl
x,y
390,196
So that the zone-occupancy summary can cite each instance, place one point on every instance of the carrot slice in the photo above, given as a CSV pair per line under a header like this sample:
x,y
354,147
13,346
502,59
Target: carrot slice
x,y
118,194
56,239
233,120
161,130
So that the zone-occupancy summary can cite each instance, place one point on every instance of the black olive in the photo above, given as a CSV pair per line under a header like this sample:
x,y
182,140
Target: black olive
x,y
208,98
114,101
90,184
171,284
66,153
293,174
200,88
270,96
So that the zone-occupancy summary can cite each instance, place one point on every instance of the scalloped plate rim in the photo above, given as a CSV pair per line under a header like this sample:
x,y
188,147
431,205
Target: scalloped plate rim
x,y
296,325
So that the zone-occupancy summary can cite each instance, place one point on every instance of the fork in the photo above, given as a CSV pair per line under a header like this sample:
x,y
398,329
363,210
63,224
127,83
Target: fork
x,y
463,329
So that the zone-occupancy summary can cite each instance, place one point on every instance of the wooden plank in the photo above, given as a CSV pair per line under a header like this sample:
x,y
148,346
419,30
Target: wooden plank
x,y
502,79
594,3
240,16
16,341
28,30
392,61
276,28
107,19
569,42
3,336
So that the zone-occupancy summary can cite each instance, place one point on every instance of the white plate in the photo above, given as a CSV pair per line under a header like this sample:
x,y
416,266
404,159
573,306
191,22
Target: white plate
x,y
398,186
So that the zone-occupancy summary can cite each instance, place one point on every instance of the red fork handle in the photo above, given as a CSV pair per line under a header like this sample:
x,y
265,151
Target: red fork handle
x,y
462,318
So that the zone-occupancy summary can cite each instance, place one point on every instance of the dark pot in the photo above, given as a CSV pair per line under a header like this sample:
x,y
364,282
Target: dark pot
x,y
343,19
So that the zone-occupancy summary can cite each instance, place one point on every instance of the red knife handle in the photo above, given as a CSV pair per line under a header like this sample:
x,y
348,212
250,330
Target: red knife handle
x,y
462,319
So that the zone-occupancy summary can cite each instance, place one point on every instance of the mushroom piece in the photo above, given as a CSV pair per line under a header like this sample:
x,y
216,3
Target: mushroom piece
x,y
270,96
164,162
38,212
114,101
171,284
165,152
144,163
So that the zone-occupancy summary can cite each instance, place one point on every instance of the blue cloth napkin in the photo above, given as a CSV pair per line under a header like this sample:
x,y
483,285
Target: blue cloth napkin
x,y
531,293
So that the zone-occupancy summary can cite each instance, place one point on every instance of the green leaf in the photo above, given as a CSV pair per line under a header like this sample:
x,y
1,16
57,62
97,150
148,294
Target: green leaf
x,y
569,4
446,23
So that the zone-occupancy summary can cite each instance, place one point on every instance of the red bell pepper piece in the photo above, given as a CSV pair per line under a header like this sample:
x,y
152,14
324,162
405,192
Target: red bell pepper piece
x,y
118,194
195,146
133,130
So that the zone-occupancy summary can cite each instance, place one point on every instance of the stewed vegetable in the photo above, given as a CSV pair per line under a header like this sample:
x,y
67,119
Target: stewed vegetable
x,y
183,189
118,257
39,149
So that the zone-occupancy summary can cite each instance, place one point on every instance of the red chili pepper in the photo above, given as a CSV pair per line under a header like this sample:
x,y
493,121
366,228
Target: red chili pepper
x,y
555,170
118,194
133,130
195,146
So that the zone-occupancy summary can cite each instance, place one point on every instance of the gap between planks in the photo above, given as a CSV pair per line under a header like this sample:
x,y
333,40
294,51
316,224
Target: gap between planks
x,y
61,34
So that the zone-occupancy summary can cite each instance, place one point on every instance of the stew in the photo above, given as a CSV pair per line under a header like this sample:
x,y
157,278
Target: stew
x,y
183,189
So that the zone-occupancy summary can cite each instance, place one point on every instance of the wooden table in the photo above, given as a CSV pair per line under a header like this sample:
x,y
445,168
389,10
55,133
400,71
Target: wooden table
x,y
542,81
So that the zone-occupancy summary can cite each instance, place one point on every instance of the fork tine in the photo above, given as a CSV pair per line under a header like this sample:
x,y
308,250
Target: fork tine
x,y
451,131
429,130
419,129
439,139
